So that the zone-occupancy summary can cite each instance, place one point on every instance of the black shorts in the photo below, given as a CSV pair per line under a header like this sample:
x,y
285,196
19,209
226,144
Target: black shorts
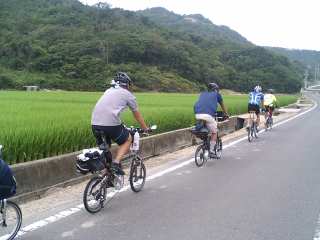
x,y
254,107
118,134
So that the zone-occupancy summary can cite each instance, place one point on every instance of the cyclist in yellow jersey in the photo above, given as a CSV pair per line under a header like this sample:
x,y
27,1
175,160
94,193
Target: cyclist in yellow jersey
x,y
270,102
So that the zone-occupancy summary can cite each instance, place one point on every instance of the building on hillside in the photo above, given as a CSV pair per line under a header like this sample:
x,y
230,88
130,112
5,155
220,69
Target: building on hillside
x,y
32,88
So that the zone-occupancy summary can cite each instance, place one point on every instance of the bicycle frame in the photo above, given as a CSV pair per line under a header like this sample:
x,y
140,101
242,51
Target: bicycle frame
x,y
252,126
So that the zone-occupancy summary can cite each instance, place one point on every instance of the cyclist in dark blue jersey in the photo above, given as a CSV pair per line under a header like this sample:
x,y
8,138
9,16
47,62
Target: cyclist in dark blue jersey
x,y
206,107
256,98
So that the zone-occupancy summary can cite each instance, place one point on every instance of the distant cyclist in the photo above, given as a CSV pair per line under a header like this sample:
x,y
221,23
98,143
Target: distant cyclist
x,y
270,101
206,107
256,98
106,117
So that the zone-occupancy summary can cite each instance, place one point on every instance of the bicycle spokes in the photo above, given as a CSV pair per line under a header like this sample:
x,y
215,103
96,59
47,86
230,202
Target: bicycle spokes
x,y
137,175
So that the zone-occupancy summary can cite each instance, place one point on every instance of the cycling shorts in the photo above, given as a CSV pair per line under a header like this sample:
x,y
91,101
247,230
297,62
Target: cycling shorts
x,y
211,123
118,134
254,108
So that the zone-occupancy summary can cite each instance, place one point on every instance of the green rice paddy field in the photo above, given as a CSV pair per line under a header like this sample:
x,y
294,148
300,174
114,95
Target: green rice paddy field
x,y
35,125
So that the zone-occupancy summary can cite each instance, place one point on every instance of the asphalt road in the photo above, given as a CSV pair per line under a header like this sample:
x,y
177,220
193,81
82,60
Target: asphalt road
x,y
265,190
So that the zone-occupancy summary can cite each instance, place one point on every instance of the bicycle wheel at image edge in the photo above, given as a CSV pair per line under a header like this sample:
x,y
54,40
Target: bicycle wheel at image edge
x,y
94,195
200,155
10,226
137,175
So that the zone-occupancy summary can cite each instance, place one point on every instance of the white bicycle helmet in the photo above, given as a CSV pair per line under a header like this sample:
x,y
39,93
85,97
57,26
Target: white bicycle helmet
x,y
257,89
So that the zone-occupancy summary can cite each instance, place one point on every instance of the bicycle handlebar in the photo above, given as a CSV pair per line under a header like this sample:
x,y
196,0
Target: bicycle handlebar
x,y
133,130
219,115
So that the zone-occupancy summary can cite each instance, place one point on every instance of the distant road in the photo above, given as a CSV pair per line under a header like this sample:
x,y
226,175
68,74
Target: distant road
x,y
265,190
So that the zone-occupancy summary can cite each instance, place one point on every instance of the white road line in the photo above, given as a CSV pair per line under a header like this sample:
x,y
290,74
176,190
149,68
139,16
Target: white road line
x,y
317,232
63,214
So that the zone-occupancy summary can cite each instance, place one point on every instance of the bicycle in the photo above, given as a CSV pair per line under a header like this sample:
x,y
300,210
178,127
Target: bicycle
x,y
10,217
95,193
268,119
203,152
252,126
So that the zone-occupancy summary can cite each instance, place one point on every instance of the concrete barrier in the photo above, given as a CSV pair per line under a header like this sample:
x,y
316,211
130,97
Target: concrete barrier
x,y
35,177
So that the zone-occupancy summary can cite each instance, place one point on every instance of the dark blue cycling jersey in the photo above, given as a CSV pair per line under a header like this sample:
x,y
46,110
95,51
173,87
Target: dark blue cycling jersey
x,y
207,103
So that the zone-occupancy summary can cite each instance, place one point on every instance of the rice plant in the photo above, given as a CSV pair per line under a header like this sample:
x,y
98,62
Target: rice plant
x,y
35,125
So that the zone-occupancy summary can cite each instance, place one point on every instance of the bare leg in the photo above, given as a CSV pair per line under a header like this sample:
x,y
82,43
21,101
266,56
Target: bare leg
x,y
123,149
213,140
258,120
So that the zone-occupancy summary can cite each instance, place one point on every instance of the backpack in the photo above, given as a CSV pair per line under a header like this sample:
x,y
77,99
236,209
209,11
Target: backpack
x,y
8,183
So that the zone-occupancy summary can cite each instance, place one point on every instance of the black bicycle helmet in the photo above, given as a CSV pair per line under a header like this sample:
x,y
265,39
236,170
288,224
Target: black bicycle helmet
x,y
213,87
122,79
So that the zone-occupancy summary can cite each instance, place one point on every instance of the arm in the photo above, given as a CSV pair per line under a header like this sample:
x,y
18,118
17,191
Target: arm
x,y
262,101
275,101
137,115
134,109
224,109
220,101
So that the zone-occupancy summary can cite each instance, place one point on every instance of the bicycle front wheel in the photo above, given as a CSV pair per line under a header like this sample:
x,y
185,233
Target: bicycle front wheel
x,y
137,177
11,219
201,155
94,195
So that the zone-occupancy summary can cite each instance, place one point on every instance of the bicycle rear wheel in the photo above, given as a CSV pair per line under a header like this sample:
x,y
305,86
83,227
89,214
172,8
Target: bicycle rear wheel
x,y
201,155
271,123
218,148
10,220
137,176
250,133
255,130
94,195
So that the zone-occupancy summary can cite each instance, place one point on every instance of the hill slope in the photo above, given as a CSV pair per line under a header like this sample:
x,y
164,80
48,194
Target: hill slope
x,y
65,44
308,58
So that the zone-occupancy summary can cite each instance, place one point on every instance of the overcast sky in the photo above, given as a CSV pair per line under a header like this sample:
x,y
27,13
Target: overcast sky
x,y
276,23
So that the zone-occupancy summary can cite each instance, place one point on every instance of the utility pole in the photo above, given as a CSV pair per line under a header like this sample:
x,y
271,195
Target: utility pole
x,y
104,45
306,79
318,71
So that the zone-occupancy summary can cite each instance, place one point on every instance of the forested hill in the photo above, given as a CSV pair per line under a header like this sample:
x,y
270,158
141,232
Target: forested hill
x,y
195,26
309,58
65,44
306,57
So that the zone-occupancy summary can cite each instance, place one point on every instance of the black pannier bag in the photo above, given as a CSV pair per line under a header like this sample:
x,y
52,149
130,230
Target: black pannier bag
x,y
90,160
8,183
200,130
